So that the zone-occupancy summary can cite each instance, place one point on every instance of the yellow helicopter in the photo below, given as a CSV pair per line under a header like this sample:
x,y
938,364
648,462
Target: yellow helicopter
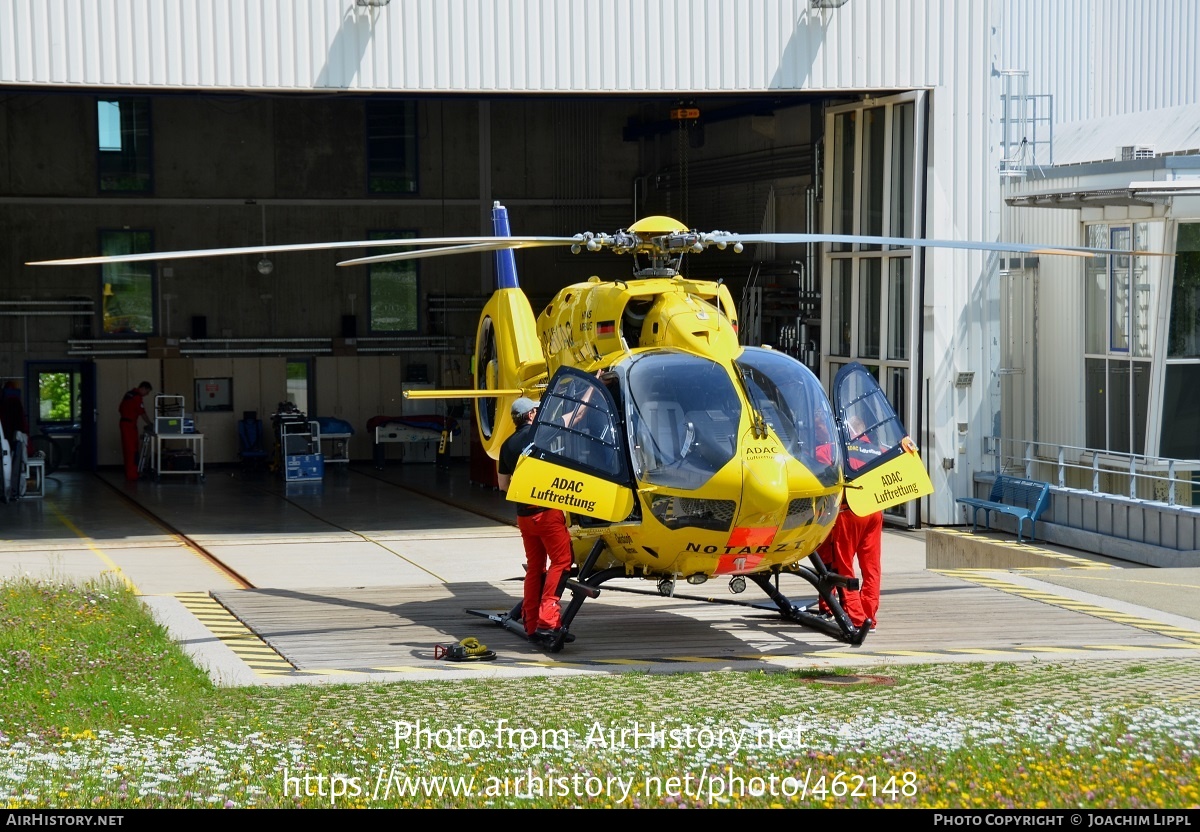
x,y
678,452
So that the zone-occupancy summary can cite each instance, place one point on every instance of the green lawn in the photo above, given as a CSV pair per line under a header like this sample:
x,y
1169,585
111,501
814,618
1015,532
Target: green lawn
x,y
101,709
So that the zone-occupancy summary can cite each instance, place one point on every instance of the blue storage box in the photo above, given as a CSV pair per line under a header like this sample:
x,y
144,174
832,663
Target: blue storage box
x,y
303,467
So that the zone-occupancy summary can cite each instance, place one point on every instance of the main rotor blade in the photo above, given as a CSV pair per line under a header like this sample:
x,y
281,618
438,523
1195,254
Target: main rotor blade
x,y
916,242
226,252
439,252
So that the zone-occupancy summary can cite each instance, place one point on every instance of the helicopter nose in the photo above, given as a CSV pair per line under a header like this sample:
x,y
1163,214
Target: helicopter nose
x,y
764,491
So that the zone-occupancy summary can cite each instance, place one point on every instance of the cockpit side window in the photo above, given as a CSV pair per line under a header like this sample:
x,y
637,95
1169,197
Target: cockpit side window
x,y
790,400
577,423
683,417
870,429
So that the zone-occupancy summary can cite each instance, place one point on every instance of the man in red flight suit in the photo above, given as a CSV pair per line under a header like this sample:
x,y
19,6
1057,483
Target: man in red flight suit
x,y
544,533
862,537
132,409
855,536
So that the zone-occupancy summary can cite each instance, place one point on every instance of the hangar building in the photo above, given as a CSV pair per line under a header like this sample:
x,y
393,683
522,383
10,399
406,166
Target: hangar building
x,y
130,125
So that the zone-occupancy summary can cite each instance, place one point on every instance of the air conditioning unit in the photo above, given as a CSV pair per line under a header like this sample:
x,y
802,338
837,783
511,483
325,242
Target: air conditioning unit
x,y
1129,152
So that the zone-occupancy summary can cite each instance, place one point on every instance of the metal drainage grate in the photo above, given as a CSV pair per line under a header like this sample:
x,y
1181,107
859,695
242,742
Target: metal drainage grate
x,y
851,679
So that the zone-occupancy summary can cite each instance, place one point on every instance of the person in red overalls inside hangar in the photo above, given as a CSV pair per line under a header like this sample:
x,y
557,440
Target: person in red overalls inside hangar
x,y
131,409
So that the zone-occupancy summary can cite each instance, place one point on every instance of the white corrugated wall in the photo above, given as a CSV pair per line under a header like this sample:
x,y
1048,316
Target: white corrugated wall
x,y
1105,57
473,45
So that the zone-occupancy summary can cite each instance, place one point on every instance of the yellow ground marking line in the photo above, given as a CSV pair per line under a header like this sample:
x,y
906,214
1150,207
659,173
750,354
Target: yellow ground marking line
x,y
1117,617
1046,649
230,631
1149,583
327,671
623,661
908,653
979,651
87,541
1072,560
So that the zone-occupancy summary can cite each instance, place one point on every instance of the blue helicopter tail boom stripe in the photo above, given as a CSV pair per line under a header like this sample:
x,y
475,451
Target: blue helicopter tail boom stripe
x,y
506,261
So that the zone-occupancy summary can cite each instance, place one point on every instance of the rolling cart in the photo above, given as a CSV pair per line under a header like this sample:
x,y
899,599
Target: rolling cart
x,y
298,445
176,448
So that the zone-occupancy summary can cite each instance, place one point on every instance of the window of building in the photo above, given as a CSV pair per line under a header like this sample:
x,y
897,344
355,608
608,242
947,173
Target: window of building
x,y
393,290
298,372
841,314
1180,435
870,179
127,289
1119,296
58,397
870,182
391,147
842,166
123,145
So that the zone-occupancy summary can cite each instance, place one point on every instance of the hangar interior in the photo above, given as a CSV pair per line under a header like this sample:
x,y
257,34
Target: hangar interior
x,y
87,172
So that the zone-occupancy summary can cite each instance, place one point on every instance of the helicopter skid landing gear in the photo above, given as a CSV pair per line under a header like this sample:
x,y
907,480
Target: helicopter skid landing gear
x,y
551,640
581,589
836,625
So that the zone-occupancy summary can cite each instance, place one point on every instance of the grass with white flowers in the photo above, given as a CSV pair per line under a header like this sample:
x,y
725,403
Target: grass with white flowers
x,y
98,708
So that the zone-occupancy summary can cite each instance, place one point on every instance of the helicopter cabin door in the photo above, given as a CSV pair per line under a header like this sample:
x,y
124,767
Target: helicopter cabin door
x,y
578,460
883,468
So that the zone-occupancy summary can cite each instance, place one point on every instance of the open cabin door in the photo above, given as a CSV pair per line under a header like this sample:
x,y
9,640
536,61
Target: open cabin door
x,y
883,467
578,461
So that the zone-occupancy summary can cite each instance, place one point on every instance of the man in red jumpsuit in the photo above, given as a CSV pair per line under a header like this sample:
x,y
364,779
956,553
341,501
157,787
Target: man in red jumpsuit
x,y
131,409
860,537
544,533
857,537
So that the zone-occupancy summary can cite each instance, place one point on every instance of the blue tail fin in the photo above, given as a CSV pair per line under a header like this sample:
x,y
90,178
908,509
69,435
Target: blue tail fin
x,y
506,262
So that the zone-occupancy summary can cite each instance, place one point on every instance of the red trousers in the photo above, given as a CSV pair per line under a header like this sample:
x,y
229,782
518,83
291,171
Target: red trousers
x,y
860,537
546,537
129,448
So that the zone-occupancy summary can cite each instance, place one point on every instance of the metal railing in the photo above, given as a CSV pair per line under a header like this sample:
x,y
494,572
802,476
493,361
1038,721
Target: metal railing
x,y
1172,482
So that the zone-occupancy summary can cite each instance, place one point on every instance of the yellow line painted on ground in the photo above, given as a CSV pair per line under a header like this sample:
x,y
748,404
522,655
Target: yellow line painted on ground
x,y
400,668
87,541
252,650
327,671
622,661
1073,561
1024,649
1149,583
909,653
1115,616
981,651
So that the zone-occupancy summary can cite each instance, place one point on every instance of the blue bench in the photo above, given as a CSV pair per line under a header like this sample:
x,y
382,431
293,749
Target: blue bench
x,y
1023,499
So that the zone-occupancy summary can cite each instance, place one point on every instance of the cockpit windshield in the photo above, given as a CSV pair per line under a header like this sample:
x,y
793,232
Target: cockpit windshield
x,y
683,416
790,399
